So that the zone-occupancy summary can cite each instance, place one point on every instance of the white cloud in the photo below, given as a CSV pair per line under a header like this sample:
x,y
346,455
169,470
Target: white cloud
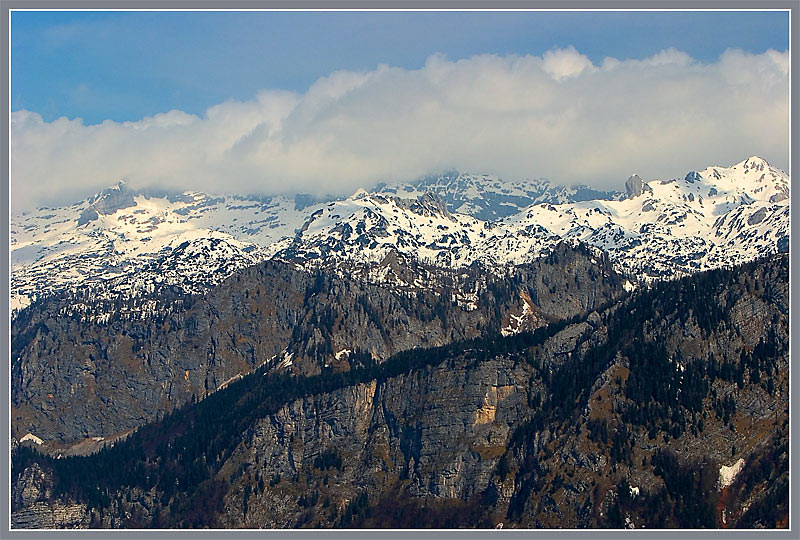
x,y
557,116
565,63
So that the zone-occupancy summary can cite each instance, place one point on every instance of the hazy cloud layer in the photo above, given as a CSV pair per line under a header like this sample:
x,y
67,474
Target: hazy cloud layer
x,y
557,116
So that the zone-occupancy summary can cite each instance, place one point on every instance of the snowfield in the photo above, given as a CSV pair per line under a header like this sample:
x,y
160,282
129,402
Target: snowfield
x,y
728,474
129,242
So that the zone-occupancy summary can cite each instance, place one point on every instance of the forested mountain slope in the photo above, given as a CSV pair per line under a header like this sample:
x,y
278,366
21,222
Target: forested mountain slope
x,y
667,408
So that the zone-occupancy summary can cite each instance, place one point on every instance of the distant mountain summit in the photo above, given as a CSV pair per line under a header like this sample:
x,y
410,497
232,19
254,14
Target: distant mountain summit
x,y
126,241
488,197
107,202
634,186
666,228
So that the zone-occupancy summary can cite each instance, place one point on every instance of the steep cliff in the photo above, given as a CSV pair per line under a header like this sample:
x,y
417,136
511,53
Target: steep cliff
x,y
666,409
106,375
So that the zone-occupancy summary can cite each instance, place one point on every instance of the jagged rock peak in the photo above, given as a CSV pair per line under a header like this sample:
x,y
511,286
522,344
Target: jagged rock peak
x,y
432,201
89,214
635,186
119,187
427,204
114,198
692,177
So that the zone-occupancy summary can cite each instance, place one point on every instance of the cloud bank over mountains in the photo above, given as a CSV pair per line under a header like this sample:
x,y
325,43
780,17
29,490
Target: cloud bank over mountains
x,y
557,116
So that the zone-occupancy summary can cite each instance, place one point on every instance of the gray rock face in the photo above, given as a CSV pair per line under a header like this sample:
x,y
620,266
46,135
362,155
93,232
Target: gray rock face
x,y
51,515
757,217
114,198
107,202
466,427
32,486
440,432
427,204
32,507
90,214
782,195
73,380
634,186
433,203
693,176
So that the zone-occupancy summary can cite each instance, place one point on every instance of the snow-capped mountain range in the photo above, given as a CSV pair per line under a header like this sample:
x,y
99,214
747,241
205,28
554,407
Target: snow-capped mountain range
x,y
488,198
133,241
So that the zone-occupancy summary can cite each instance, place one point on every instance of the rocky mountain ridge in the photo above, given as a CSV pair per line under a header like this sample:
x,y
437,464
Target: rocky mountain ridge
x,y
666,409
75,376
124,242
557,324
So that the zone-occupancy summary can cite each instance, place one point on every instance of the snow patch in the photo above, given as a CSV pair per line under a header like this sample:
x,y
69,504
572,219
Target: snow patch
x,y
31,437
287,360
727,474
515,321
229,381
628,286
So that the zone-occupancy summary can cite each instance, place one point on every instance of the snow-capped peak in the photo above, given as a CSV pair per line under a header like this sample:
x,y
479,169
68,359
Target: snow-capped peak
x,y
121,185
360,193
120,232
754,162
662,228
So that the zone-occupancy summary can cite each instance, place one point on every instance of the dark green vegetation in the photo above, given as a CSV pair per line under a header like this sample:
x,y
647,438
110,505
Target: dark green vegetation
x,y
670,390
655,392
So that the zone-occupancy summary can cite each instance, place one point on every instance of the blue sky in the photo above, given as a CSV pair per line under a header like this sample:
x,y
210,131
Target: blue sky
x,y
326,102
127,65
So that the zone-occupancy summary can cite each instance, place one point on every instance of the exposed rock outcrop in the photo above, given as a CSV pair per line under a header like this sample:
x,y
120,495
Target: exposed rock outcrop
x,y
635,186
592,423
107,377
114,198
